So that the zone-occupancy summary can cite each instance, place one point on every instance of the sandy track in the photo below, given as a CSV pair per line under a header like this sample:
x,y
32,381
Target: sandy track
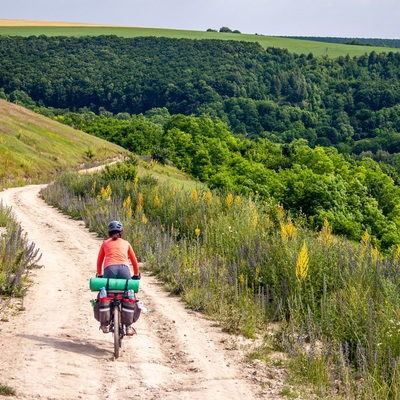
x,y
54,350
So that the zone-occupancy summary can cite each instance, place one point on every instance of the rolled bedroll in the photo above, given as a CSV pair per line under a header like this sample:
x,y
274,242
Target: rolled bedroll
x,y
114,284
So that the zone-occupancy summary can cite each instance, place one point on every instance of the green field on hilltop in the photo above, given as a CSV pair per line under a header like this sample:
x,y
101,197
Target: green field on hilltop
x,y
292,45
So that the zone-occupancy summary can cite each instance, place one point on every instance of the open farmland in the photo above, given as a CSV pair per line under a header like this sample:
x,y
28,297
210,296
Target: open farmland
x,y
37,28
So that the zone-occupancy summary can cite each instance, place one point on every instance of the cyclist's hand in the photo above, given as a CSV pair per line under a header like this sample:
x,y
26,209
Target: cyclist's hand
x,y
136,277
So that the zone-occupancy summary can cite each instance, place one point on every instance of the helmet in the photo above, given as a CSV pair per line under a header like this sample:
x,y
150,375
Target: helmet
x,y
115,226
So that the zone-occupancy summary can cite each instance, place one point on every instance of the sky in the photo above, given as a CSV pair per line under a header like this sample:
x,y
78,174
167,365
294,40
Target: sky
x,y
328,18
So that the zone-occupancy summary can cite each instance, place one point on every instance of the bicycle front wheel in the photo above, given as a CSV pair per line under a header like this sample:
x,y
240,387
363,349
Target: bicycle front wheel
x,y
116,331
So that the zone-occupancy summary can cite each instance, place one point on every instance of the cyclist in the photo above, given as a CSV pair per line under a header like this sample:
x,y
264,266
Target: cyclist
x,y
113,260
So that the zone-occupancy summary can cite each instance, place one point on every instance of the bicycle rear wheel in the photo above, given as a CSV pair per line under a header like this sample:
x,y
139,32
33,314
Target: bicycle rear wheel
x,y
116,331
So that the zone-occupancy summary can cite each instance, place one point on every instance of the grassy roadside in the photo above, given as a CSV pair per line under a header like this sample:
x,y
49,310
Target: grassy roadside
x,y
246,263
34,148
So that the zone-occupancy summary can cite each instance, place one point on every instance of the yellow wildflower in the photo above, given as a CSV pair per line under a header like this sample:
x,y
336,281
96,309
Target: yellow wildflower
x,y
157,201
94,187
254,218
366,239
229,199
139,205
281,212
288,230
208,197
325,236
144,218
127,202
197,231
397,254
106,192
302,263
130,212
375,254
195,196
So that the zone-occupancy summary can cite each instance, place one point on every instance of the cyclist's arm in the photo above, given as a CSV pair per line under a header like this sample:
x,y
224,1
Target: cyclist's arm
x,y
100,259
133,259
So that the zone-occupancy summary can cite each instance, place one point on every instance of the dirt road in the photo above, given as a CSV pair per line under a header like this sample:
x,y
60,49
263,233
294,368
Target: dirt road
x,y
54,349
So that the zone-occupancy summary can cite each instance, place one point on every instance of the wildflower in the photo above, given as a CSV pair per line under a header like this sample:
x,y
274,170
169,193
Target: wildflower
x,y
195,196
93,191
135,181
254,218
375,254
288,230
128,186
197,231
106,192
238,200
366,239
241,279
157,201
208,197
229,199
325,236
130,212
139,205
302,263
281,212
127,202
144,218
397,254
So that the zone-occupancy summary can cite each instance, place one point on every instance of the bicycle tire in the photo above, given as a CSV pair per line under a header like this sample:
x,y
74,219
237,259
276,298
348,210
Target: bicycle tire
x,y
116,331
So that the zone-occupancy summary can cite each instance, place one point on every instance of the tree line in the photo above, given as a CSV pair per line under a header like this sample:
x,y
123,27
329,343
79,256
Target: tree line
x,y
315,184
319,136
351,103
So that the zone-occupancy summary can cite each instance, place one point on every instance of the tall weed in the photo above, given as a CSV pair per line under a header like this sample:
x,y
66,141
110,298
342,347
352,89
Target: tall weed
x,y
17,255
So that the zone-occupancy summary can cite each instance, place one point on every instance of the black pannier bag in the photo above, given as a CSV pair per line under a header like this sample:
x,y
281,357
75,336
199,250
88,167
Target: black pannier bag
x,y
130,311
102,310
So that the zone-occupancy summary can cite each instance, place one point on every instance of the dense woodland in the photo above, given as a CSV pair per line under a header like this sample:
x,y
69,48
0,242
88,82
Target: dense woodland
x,y
350,103
318,135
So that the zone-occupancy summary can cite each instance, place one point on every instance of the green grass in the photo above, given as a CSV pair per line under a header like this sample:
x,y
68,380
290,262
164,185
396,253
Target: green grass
x,y
293,45
169,174
6,391
34,148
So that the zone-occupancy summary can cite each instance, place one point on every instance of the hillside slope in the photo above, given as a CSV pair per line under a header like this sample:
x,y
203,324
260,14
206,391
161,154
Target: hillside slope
x,y
33,147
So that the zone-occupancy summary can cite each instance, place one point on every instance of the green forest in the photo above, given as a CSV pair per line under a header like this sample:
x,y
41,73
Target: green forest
x,y
293,155
319,136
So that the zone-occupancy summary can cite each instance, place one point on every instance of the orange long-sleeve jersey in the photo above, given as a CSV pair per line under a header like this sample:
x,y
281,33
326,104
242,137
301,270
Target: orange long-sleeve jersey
x,y
114,252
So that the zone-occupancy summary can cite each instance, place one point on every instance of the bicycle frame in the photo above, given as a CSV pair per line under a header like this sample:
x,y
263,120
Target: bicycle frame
x,y
116,326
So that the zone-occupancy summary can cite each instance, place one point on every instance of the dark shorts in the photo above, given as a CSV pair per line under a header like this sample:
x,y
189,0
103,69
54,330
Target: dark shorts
x,y
119,271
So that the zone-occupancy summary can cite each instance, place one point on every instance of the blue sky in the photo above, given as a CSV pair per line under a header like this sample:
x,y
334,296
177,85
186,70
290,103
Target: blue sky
x,y
342,18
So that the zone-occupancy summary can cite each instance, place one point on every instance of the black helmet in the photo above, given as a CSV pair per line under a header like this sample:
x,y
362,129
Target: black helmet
x,y
115,226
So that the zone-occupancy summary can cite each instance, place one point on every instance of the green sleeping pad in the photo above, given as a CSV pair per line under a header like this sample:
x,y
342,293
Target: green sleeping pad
x,y
113,284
